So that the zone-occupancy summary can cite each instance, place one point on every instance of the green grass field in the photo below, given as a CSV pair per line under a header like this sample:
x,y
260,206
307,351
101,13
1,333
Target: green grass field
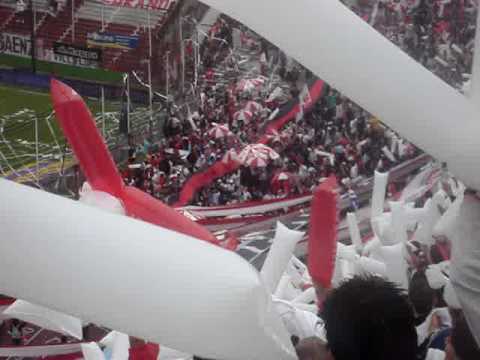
x,y
19,108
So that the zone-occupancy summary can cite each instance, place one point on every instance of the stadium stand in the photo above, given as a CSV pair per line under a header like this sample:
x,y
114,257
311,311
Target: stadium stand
x,y
89,16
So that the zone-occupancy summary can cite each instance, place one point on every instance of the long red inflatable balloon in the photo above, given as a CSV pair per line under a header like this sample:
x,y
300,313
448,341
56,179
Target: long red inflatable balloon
x,y
81,132
322,241
139,204
96,162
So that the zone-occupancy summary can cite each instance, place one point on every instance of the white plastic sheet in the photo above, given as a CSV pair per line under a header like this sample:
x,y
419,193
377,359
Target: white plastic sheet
x,y
45,318
342,49
140,279
279,255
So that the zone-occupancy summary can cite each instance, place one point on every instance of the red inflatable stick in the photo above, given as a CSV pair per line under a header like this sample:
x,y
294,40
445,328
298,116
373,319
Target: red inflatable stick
x,y
140,205
81,132
96,162
322,241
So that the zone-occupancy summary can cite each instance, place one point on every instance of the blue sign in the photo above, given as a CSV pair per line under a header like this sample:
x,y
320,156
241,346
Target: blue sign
x,y
114,41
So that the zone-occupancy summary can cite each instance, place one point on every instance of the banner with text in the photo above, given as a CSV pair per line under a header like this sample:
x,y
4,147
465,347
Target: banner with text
x,y
49,55
78,52
114,41
142,4
13,44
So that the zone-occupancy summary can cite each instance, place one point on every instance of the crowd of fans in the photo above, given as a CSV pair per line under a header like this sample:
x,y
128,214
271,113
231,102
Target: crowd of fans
x,y
439,34
337,137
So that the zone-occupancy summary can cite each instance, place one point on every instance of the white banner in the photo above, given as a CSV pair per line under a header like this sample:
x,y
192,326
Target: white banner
x,y
13,44
49,55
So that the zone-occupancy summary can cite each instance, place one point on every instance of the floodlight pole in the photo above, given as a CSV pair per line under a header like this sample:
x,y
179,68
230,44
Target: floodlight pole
x,y
33,37
149,64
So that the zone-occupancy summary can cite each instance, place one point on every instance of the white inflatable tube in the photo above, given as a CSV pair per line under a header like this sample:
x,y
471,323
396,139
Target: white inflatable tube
x,y
117,344
45,318
378,196
398,225
354,230
347,53
395,260
424,234
140,279
366,265
91,351
279,255
445,224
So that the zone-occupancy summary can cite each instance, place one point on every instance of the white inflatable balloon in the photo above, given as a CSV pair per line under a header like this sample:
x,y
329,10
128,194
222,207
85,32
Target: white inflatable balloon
x,y
279,255
45,318
354,230
117,344
399,223
424,233
372,246
143,280
342,49
366,265
346,252
396,263
465,262
378,195
445,224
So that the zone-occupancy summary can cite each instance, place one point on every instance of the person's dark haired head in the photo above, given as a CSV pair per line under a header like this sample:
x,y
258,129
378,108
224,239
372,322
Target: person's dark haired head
x,y
462,340
422,296
369,318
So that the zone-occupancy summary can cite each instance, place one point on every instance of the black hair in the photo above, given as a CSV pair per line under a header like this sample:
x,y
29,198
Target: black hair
x,y
463,341
370,318
422,296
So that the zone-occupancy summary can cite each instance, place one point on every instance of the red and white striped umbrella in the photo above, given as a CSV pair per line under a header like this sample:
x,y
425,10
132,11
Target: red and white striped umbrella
x,y
279,137
254,107
230,155
219,131
250,84
257,155
243,115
